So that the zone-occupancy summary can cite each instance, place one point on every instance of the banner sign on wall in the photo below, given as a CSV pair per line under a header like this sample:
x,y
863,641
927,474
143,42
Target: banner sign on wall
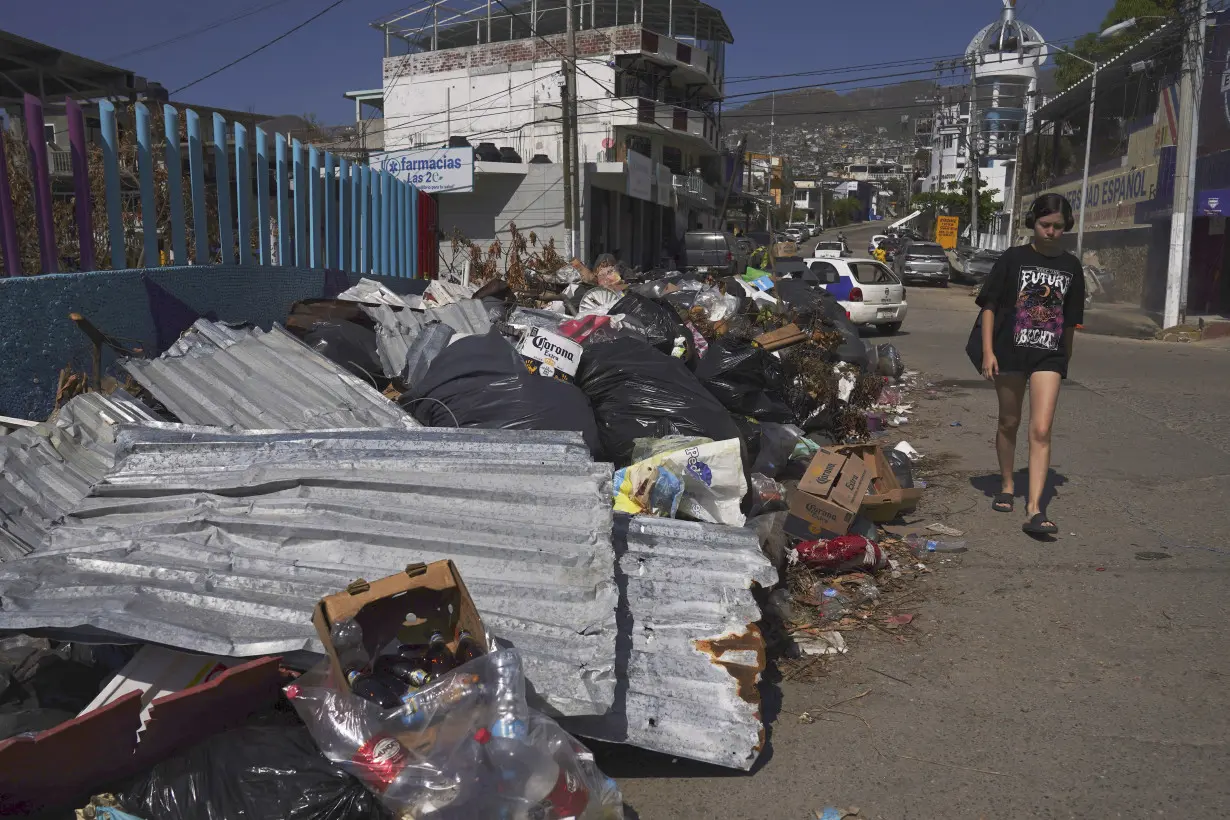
x,y
434,170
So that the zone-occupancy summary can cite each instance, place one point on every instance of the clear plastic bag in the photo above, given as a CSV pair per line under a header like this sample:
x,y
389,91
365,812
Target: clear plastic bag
x,y
463,746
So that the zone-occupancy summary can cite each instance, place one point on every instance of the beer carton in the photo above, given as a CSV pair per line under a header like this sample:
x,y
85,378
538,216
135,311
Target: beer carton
x,y
828,497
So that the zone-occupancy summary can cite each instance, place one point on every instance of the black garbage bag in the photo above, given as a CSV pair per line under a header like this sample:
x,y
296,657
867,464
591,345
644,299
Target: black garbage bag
x,y
903,470
660,321
481,381
638,392
251,772
746,379
890,363
349,345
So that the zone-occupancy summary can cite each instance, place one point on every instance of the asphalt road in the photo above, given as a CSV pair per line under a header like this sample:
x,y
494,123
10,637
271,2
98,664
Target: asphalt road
x,y
1073,679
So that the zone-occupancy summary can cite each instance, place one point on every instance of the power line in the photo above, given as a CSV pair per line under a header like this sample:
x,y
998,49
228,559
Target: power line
x,y
200,30
259,49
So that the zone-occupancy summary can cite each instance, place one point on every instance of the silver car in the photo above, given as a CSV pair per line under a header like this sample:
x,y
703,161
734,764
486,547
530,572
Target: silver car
x,y
923,262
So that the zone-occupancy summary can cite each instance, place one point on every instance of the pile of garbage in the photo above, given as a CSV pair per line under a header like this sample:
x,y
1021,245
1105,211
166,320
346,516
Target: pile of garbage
x,y
579,446
677,379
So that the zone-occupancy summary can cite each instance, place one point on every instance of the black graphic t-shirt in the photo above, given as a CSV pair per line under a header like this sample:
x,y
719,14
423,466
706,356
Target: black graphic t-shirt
x,y
1035,298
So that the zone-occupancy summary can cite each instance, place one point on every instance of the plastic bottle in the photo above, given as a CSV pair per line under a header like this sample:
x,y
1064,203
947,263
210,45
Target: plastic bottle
x,y
921,547
531,784
834,605
420,707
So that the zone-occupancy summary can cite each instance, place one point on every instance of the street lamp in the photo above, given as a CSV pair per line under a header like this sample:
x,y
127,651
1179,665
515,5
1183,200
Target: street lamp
x,y
1093,94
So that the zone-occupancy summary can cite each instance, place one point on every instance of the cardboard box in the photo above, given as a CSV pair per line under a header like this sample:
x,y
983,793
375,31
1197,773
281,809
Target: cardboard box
x,y
828,496
885,498
812,518
836,477
549,354
406,607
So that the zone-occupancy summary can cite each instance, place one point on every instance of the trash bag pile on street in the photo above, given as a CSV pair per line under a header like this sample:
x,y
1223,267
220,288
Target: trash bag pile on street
x,y
708,400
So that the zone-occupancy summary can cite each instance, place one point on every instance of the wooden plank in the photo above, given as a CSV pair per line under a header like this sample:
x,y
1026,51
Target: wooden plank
x,y
81,184
386,223
175,185
196,174
285,228
330,220
145,170
374,234
772,336
363,237
222,170
414,231
262,194
243,195
301,194
36,144
313,186
8,220
344,195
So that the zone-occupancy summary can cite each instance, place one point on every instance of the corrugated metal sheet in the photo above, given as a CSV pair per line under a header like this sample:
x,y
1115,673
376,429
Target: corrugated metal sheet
x,y
222,543
46,470
252,380
397,330
689,655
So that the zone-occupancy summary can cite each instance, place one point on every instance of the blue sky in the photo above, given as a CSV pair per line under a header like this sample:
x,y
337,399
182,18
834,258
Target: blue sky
x,y
309,70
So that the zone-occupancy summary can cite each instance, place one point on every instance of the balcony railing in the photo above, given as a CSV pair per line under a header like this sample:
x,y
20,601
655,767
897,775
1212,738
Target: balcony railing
x,y
696,186
59,162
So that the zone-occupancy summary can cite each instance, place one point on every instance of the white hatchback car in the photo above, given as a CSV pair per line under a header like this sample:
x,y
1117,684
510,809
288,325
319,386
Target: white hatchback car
x,y
868,290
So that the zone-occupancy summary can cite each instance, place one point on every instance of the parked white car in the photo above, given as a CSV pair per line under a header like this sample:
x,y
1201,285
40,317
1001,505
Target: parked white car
x,y
875,241
830,249
868,290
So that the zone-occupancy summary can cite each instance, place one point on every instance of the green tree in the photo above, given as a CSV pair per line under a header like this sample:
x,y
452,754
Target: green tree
x,y
1070,70
956,202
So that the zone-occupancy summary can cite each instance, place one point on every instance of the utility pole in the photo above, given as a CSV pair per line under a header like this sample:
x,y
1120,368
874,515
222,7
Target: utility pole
x,y
973,156
1190,86
572,188
737,170
570,248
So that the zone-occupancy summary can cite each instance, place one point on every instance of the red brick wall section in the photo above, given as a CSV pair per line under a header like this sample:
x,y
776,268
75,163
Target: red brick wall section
x,y
590,43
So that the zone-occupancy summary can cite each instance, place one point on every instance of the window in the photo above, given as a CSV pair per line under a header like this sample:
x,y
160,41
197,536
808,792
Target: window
x,y
825,272
672,158
872,273
49,133
950,140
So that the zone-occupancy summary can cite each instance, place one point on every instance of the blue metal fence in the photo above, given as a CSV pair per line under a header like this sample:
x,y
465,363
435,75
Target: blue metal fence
x,y
326,212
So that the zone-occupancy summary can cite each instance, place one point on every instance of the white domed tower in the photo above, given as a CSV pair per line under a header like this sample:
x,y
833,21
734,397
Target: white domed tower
x,y
1005,57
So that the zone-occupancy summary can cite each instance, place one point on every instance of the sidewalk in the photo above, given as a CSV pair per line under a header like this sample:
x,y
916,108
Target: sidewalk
x,y
1120,319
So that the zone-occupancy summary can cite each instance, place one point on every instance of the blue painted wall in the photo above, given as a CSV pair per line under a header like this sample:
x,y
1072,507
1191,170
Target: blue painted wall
x,y
37,338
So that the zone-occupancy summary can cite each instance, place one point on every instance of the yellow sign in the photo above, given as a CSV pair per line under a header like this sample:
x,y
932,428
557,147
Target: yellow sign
x,y
946,231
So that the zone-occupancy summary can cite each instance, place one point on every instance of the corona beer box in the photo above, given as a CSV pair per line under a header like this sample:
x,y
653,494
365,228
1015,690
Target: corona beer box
x,y
549,354
828,496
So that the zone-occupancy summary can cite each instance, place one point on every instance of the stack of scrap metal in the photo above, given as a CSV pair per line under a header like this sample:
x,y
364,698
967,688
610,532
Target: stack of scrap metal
x,y
222,542
46,470
690,653
260,381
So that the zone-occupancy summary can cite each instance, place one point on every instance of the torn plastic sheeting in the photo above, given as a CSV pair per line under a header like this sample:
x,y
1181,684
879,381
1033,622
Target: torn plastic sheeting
x,y
47,469
260,382
223,542
689,649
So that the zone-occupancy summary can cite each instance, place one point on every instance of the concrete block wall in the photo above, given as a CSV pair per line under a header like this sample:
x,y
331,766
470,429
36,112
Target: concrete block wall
x,y
534,202
590,42
145,307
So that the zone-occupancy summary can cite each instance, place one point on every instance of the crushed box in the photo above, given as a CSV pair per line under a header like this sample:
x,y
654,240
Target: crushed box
x,y
550,354
408,607
828,496
885,498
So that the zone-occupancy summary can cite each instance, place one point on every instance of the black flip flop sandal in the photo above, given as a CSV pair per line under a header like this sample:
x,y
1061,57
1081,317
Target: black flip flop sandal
x,y
1039,525
1002,503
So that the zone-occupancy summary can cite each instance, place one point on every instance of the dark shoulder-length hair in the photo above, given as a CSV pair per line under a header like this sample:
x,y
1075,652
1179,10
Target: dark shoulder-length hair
x,y
1048,204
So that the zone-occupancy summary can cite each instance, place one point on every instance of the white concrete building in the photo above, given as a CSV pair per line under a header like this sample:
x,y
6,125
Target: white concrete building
x,y
1004,57
649,89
